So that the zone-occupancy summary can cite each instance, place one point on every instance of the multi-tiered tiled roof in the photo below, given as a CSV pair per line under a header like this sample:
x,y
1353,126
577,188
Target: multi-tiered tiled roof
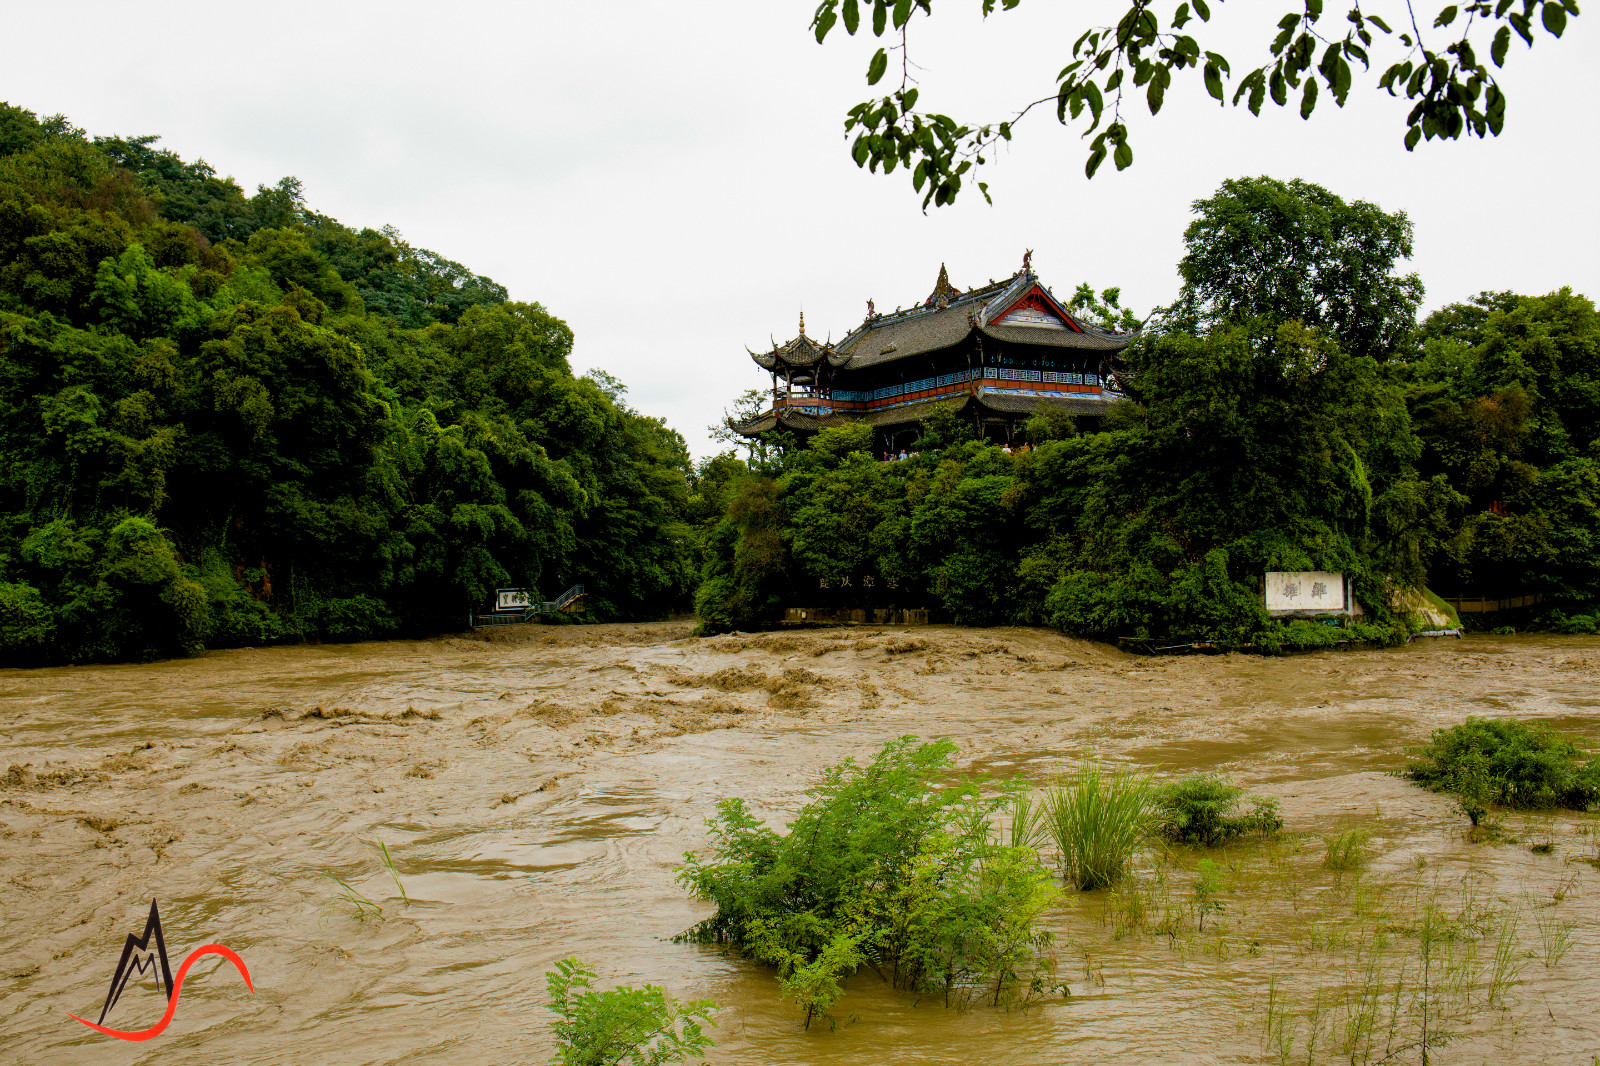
x,y
998,326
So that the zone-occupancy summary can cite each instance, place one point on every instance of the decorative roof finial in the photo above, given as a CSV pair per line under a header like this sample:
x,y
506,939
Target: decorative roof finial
x,y
871,310
943,291
1027,261
802,323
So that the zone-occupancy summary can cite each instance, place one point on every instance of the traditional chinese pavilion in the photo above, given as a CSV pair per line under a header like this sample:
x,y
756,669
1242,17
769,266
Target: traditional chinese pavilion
x,y
994,354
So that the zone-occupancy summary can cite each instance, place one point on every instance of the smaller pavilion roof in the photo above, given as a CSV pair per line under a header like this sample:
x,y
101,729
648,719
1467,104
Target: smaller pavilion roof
x,y
801,351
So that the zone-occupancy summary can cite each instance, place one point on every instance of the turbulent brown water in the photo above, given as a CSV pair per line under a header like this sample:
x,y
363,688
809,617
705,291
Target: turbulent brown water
x,y
538,788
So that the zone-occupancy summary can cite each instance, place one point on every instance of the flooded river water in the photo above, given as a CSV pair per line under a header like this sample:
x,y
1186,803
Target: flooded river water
x,y
537,790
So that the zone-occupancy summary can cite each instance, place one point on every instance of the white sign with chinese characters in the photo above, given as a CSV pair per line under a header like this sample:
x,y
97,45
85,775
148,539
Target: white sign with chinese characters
x,y
512,599
1304,590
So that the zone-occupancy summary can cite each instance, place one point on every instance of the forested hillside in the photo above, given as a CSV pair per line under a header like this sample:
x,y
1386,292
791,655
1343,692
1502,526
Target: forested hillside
x,y
1288,412
226,419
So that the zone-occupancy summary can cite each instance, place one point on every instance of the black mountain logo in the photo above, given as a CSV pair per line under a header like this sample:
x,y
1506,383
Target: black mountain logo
x,y
138,958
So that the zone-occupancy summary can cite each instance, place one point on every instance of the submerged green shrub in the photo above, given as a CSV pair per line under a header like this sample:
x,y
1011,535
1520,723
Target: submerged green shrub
x,y
1203,809
626,1026
890,863
1097,819
1526,765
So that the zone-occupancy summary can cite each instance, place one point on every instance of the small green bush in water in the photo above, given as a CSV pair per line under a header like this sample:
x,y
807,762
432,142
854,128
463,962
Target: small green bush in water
x,y
626,1026
1526,765
891,864
1203,809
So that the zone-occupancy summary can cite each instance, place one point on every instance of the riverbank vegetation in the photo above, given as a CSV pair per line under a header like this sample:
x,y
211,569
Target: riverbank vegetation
x,y
1288,412
892,866
228,419
1352,950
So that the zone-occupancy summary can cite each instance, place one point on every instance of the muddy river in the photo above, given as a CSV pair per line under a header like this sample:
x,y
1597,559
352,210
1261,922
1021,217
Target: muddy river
x,y
536,790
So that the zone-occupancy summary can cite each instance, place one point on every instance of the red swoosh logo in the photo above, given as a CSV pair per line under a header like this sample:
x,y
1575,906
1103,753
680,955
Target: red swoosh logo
x,y
177,988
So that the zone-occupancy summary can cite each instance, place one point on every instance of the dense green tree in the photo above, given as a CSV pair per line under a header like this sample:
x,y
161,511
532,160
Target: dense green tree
x,y
231,420
1280,251
1506,395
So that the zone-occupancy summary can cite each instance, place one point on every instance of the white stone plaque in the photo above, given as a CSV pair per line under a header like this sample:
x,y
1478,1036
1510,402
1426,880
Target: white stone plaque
x,y
1305,590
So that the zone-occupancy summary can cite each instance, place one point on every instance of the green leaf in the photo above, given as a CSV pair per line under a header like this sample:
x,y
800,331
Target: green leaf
x,y
879,64
1502,41
1280,92
1412,137
1201,9
1091,93
902,13
1097,155
1123,156
880,17
1447,16
852,16
1154,96
1308,102
1180,17
1555,17
1213,81
824,19
1378,22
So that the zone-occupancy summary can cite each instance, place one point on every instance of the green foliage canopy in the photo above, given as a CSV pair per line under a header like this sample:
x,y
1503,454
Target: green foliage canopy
x,y
231,420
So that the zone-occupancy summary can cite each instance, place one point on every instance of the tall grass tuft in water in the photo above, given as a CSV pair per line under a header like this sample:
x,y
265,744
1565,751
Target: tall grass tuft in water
x,y
351,903
1556,936
1097,818
1347,849
394,872
1025,821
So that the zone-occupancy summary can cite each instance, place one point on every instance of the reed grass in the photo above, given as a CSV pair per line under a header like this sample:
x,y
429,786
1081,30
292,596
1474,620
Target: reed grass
x,y
1505,968
351,902
1555,934
1025,821
388,864
1347,849
1097,819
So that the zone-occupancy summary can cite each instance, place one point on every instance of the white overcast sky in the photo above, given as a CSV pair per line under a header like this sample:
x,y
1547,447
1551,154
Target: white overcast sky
x,y
672,177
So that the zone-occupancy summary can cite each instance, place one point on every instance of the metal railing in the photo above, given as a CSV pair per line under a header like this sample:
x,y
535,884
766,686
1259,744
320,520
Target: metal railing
x,y
525,614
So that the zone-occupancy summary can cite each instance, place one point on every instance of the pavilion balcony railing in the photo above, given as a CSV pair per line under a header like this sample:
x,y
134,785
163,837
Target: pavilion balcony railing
x,y
988,373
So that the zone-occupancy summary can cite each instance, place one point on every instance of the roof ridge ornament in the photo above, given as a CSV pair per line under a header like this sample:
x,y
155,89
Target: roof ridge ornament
x,y
1027,261
943,291
802,323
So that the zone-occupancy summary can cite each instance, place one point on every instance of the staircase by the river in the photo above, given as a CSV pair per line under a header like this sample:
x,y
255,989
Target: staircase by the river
x,y
566,602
